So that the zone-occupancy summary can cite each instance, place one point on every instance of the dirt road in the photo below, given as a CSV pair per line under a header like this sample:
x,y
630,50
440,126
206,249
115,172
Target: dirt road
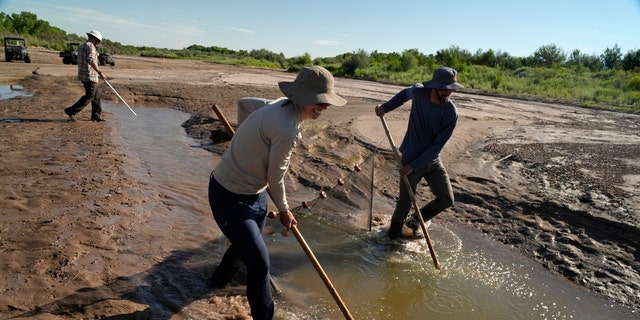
x,y
559,184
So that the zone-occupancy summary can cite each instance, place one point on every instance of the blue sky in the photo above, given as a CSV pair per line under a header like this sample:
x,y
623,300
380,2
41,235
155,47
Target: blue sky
x,y
331,27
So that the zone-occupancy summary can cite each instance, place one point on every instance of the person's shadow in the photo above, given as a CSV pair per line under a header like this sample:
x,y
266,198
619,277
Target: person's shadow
x,y
166,289
22,120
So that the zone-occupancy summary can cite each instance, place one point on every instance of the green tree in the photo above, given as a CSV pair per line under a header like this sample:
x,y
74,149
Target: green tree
x,y
358,60
6,24
410,59
296,63
579,60
549,55
575,58
631,61
504,60
264,54
487,58
24,22
611,57
454,57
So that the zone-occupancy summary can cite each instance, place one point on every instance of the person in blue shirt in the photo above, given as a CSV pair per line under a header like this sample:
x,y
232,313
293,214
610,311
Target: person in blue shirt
x,y
432,120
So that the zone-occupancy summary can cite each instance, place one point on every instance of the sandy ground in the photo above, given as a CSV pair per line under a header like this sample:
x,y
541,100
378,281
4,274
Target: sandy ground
x,y
559,184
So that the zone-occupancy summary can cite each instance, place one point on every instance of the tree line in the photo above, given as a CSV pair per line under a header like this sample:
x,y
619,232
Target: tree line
x,y
610,79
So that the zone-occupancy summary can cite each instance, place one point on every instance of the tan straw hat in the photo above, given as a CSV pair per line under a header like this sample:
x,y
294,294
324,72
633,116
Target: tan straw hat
x,y
313,85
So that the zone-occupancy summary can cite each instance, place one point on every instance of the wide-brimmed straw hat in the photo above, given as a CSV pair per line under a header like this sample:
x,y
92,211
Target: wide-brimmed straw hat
x,y
444,79
313,85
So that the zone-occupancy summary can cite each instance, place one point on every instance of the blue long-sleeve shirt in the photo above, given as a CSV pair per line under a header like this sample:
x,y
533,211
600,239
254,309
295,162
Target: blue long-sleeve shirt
x,y
430,125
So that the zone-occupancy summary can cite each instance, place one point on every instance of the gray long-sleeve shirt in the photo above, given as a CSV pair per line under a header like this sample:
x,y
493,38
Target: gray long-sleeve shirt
x,y
260,150
430,125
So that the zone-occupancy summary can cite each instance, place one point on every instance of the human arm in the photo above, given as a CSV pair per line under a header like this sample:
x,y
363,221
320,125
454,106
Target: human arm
x,y
399,99
277,190
95,67
283,141
93,61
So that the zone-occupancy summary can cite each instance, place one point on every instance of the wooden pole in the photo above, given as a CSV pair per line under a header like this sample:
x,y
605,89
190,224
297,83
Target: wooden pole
x,y
412,196
226,124
373,165
321,272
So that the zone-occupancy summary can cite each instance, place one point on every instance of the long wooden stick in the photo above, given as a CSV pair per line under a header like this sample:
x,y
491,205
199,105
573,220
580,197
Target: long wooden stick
x,y
412,196
373,166
321,272
226,124
274,285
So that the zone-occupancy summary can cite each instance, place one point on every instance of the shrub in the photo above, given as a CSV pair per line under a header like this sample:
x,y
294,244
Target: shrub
x,y
634,83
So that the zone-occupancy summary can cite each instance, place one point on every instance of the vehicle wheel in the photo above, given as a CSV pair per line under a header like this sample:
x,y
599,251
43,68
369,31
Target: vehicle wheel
x,y
27,59
66,60
113,64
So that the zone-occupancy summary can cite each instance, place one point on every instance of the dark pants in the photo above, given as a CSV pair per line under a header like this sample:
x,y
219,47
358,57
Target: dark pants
x,y
436,176
242,219
90,95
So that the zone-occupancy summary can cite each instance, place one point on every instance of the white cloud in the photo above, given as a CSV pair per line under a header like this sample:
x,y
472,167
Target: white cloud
x,y
239,29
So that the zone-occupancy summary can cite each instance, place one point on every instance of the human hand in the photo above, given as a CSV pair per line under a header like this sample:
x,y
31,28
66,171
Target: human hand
x,y
379,111
287,219
406,170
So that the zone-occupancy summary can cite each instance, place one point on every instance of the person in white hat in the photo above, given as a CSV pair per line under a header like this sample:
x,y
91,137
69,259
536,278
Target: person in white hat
x,y
88,72
432,119
256,160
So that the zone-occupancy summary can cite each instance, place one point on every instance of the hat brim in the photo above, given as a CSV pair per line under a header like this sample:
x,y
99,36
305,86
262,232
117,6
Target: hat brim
x,y
440,86
306,97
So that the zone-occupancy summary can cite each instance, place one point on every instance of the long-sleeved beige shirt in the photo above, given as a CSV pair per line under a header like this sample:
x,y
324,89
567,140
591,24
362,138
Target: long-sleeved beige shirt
x,y
260,150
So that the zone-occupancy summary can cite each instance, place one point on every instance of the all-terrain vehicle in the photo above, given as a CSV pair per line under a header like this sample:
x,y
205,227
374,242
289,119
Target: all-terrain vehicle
x,y
105,58
16,49
70,55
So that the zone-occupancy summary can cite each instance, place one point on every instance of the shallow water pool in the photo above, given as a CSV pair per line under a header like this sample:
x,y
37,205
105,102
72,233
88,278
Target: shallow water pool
x,y
376,278
11,91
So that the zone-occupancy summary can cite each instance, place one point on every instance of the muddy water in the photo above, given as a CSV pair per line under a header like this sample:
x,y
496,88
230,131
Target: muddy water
x,y
375,277
12,91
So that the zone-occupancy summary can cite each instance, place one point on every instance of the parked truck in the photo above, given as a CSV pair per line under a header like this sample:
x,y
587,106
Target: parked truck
x,y
15,48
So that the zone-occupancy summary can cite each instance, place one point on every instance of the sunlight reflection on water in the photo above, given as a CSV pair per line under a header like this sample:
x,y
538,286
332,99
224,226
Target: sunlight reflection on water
x,y
377,278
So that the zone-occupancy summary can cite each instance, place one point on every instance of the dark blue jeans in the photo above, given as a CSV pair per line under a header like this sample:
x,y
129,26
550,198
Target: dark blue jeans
x,y
92,96
242,219
436,176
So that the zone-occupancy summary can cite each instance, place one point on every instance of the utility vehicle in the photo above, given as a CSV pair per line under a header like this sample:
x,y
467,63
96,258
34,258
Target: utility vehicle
x,y
15,48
